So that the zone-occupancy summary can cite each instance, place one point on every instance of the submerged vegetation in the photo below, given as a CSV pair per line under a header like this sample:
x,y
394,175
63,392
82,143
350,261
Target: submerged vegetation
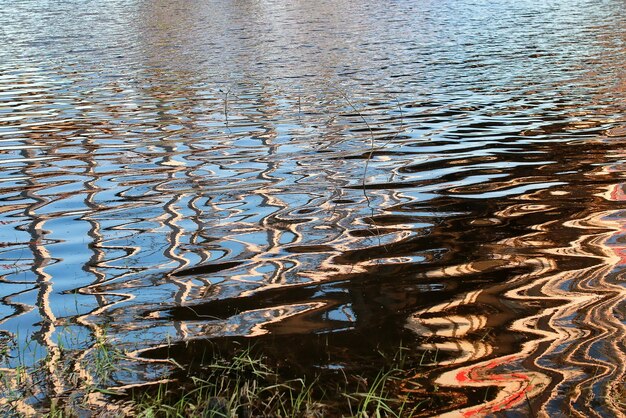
x,y
240,381
246,386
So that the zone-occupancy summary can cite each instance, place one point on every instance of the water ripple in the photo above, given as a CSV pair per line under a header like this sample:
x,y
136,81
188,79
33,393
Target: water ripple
x,y
447,175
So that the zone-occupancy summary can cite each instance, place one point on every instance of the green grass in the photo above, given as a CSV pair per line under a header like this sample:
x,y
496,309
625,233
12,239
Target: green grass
x,y
245,386
239,382
28,372
240,386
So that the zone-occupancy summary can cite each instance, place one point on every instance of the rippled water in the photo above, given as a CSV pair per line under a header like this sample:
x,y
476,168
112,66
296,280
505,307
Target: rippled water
x,y
332,178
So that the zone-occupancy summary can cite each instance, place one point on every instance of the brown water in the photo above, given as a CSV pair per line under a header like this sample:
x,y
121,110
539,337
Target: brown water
x,y
325,179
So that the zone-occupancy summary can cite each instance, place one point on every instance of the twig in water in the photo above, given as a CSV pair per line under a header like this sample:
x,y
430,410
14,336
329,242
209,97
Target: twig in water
x,y
226,93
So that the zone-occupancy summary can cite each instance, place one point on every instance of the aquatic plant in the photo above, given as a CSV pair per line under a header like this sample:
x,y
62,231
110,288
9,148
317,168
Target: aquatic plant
x,y
245,385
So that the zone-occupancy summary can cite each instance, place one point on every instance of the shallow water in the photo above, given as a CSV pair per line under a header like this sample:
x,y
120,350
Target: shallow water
x,y
326,178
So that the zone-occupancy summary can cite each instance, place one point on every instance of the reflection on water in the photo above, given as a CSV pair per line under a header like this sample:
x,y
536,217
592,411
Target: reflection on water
x,y
447,175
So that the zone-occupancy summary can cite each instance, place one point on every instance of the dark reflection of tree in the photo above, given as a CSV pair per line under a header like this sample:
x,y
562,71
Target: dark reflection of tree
x,y
485,249
94,266
43,281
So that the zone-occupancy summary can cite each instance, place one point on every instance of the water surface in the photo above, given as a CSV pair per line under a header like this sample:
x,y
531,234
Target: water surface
x,y
327,179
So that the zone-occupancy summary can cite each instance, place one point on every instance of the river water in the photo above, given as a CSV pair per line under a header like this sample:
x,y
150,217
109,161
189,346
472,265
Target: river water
x,y
326,179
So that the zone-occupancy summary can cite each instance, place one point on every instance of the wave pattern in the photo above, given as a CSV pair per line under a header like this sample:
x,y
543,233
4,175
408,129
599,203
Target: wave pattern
x,y
447,175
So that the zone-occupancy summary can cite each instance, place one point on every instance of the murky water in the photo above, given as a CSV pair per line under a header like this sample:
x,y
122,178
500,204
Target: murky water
x,y
327,179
